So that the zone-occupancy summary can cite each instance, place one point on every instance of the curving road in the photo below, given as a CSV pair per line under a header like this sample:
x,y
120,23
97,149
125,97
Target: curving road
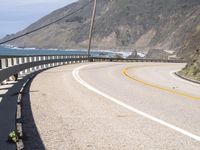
x,y
116,106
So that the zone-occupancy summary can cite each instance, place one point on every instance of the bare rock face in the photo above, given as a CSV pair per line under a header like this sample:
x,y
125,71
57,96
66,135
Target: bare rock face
x,y
122,24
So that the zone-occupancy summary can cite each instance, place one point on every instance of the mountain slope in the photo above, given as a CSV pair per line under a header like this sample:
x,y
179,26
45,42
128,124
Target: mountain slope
x,y
122,24
192,69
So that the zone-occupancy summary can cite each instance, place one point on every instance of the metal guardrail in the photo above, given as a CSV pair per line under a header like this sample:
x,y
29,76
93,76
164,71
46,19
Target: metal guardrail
x,y
10,65
135,60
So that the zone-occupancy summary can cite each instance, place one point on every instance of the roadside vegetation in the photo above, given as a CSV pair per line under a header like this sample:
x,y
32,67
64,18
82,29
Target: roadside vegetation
x,y
192,69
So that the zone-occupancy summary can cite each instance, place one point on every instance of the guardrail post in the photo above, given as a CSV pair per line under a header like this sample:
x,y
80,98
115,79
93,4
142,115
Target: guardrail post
x,y
63,62
37,59
78,58
14,61
9,64
69,61
40,59
19,62
17,59
83,59
60,63
66,60
74,57
4,65
49,58
28,61
53,64
45,58
34,60
0,65
55,58
71,57
75,60
65,57
25,61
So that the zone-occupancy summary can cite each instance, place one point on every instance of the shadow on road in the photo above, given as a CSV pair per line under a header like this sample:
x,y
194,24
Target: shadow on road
x,y
31,138
8,104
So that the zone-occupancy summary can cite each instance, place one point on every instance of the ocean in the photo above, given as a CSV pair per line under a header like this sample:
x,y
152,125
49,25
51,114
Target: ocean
x,y
32,51
14,51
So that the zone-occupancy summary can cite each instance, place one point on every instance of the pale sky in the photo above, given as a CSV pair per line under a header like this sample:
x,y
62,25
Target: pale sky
x,y
15,15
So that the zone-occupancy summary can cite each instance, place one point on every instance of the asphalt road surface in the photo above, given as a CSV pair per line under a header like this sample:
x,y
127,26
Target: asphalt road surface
x,y
116,106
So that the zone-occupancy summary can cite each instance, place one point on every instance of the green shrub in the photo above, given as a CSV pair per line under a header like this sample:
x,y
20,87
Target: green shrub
x,y
13,137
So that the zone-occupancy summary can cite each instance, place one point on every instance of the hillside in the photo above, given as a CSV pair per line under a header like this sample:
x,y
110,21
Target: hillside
x,y
122,24
192,69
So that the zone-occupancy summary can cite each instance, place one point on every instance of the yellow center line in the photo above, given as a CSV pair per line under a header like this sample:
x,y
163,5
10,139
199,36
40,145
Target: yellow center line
x,y
125,73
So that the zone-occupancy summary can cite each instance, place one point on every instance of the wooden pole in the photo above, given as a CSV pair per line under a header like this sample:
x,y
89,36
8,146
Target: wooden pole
x,y
91,29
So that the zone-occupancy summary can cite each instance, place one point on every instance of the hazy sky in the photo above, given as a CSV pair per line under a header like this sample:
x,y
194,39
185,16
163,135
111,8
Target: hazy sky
x,y
15,15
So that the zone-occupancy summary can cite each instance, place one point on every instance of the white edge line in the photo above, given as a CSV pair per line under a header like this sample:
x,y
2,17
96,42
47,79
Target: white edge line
x,y
85,84
172,73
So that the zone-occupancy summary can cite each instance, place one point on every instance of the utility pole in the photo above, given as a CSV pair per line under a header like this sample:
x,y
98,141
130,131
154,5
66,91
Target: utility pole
x,y
91,28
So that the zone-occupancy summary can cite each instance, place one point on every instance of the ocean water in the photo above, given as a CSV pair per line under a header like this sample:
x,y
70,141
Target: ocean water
x,y
14,51
31,51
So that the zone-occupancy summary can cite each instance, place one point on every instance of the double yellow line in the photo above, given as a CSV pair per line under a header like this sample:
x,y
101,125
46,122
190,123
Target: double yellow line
x,y
125,73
